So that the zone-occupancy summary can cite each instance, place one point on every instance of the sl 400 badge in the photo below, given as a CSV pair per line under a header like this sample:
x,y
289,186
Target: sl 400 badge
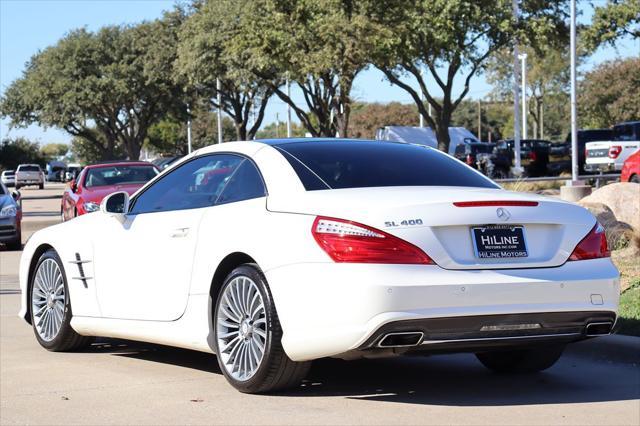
x,y
405,222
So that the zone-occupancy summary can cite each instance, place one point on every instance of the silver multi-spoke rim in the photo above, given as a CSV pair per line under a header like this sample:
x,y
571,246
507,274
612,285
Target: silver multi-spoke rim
x,y
48,300
241,327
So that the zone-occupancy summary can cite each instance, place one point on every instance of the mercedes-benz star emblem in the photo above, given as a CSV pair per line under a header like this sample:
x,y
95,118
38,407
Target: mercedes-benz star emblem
x,y
503,214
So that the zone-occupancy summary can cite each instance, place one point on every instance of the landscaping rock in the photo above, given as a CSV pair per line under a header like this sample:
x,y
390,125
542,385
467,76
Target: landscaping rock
x,y
622,199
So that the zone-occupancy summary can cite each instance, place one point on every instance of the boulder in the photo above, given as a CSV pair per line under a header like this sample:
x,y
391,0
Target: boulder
x,y
623,199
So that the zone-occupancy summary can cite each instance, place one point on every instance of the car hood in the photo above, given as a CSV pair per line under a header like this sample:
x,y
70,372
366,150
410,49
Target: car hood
x,y
97,193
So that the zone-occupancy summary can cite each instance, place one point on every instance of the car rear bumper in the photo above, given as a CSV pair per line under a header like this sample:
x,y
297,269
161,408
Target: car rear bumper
x,y
332,309
602,167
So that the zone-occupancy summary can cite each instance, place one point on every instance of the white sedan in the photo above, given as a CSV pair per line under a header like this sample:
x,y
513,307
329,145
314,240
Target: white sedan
x,y
271,254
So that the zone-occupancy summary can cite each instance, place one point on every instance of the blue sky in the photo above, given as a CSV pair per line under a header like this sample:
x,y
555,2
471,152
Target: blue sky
x,y
27,26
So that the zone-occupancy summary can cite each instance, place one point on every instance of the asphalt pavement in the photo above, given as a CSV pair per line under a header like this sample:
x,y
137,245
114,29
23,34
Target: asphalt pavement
x,y
122,382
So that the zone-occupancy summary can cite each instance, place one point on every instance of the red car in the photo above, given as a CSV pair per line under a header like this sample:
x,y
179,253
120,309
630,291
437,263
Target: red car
x,y
631,168
84,194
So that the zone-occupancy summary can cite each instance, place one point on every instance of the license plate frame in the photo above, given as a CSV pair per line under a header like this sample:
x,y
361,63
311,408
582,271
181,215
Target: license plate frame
x,y
504,242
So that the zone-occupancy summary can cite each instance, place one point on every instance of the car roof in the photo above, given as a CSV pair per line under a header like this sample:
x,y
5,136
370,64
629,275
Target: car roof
x,y
118,163
285,141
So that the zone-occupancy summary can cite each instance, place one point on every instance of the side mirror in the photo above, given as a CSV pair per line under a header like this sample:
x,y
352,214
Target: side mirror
x,y
73,185
116,204
16,195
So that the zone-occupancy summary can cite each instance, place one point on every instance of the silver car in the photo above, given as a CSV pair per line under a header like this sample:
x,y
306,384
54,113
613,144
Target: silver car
x,y
29,174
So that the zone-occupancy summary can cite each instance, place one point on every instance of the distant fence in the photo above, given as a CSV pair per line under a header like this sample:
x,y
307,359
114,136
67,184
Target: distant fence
x,y
597,178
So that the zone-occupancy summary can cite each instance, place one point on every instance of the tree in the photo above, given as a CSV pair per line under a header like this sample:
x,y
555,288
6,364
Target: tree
x,y
615,19
53,151
493,119
278,129
367,118
445,40
16,151
548,78
204,57
169,136
106,87
321,46
608,94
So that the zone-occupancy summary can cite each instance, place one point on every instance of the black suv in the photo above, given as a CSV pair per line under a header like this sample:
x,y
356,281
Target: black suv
x,y
534,155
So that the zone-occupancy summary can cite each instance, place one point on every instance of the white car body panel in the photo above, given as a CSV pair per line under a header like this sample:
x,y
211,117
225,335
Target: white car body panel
x,y
145,284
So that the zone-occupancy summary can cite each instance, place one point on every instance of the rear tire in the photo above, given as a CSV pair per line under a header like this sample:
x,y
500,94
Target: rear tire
x,y
51,306
248,336
635,179
521,360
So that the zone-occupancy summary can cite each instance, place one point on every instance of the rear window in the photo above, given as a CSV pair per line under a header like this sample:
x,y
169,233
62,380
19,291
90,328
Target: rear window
x,y
361,164
119,175
28,168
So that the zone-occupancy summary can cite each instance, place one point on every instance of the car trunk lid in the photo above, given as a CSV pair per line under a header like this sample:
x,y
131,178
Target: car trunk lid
x,y
428,218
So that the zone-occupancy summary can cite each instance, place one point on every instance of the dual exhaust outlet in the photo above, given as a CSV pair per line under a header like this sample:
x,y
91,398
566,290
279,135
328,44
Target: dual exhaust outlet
x,y
414,338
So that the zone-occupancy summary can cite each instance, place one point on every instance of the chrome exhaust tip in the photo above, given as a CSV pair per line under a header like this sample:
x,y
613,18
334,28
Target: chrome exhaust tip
x,y
598,328
400,340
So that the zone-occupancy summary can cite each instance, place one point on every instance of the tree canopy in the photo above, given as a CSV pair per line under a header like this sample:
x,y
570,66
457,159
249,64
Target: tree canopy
x,y
106,87
611,21
321,46
205,55
609,94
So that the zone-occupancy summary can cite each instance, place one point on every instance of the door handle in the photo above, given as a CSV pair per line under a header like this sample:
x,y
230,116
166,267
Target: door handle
x,y
179,232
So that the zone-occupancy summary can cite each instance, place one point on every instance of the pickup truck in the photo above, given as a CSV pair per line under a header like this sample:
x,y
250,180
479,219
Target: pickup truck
x,y
29,174
609,156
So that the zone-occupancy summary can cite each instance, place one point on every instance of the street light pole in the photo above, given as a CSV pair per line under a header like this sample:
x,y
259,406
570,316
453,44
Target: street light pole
x,y
422,102
516,99
288,108
218,89
479,120
188,130
523,58
574,118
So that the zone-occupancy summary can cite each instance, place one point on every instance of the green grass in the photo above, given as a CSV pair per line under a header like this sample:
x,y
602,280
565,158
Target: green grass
x,y
629,311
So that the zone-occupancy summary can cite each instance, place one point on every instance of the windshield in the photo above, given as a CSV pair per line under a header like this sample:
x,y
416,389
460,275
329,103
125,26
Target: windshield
x,y
118,175
28,168
360,164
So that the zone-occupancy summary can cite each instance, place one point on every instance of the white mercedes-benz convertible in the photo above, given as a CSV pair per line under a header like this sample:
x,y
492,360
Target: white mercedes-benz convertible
x,y
271,254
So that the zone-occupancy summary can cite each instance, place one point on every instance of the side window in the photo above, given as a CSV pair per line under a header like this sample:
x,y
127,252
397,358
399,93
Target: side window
x,y
244,184
197,183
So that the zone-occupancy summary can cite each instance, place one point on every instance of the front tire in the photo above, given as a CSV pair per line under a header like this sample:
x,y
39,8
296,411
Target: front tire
x,y
635,179
51,306
521,360
248,336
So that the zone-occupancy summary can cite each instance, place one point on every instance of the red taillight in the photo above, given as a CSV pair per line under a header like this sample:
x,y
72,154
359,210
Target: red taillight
x,y
346,241
533,156
614,151
470,159
593,246
505,203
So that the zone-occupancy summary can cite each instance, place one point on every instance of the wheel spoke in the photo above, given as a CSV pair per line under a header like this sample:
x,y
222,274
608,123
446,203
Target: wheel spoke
x,y
232,313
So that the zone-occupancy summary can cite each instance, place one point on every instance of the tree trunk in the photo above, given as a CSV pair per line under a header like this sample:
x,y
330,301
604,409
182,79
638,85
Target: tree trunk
x,y
442,134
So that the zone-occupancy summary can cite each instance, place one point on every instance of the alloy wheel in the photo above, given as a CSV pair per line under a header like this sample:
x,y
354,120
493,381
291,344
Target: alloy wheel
x,y
241,328
48,300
